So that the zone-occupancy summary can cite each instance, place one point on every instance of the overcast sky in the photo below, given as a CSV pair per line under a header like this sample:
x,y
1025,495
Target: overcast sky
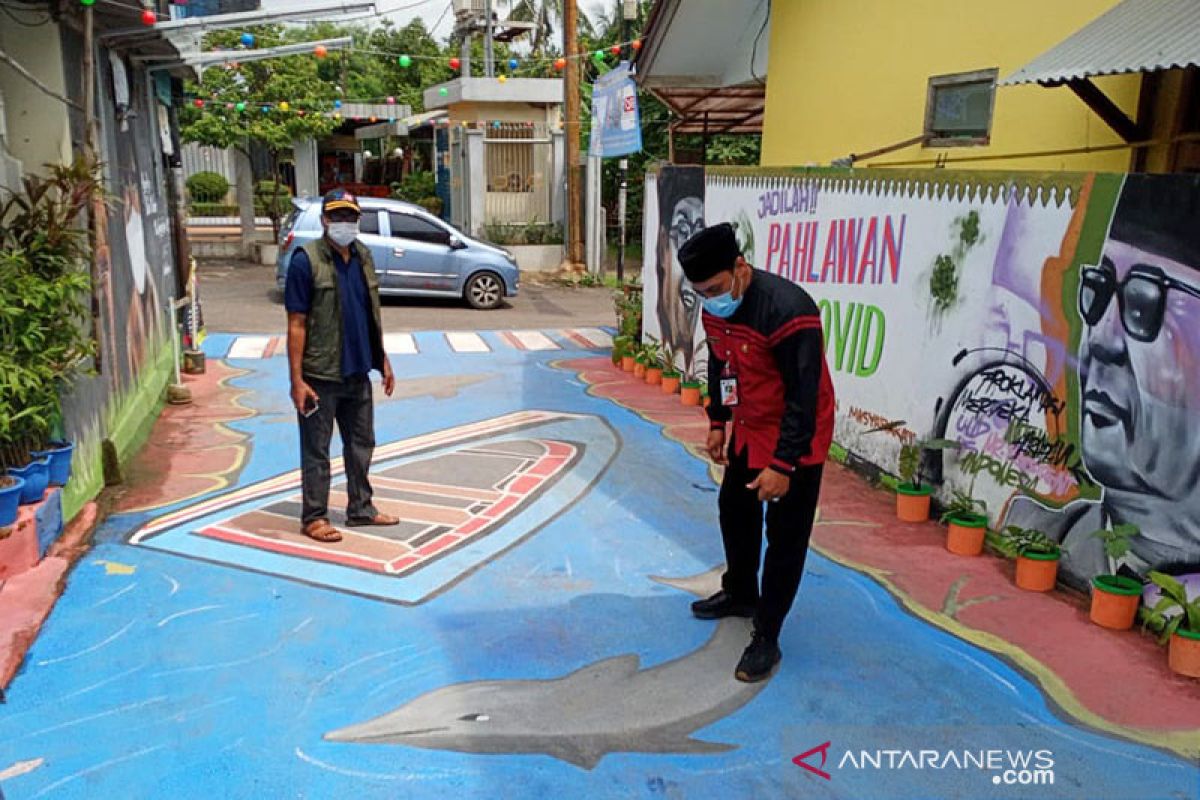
x,y
401,11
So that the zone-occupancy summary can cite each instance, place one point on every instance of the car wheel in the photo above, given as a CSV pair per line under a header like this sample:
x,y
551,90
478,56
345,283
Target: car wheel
x,y
484,290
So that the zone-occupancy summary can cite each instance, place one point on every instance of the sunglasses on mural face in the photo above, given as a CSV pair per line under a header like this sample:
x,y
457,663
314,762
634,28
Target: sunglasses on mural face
x,y
1141,297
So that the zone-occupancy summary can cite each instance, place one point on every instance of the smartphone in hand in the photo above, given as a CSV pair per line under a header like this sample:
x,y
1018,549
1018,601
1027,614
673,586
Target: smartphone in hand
x,y
312,409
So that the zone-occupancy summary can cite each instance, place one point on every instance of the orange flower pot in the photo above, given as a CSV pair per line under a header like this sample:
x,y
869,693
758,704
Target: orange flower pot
x,y
690,395
628,363
1183,654
1037,572
965,535
654,375
670,384
912,505
1115,601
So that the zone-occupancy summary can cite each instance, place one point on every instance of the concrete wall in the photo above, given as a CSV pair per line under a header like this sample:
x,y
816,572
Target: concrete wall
x,y
851,76
38,130
952,303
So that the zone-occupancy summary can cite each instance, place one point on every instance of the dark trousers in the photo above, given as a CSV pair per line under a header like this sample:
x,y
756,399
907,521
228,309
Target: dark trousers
x,y
789,525
349,404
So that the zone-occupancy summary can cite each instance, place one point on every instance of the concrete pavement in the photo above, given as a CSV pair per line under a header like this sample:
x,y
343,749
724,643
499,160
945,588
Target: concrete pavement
x,y
528,633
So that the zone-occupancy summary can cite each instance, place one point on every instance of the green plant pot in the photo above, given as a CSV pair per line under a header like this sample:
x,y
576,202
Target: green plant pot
x,y
969,520
1118,584
909,489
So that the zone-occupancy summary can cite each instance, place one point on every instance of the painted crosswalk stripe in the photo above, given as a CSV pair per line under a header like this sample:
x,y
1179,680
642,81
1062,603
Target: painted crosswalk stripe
x,y
400,344
249,347
465,342
595,336
532,340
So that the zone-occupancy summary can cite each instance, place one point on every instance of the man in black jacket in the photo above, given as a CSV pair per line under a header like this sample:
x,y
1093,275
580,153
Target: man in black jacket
x,y
768,377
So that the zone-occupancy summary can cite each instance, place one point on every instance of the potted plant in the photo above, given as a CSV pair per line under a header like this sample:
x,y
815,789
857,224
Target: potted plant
x,y
59,454
670,374
10,498
912,493
1178,619
1037,558
689,392
1115,598
44,291
652,352
35,476
639,364
621,345
967,518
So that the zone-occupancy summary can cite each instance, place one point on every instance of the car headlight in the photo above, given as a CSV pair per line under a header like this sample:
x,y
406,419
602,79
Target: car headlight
x,y
508,254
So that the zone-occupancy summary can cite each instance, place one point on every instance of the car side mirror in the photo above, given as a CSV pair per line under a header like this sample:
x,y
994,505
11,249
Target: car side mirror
x,y
455,243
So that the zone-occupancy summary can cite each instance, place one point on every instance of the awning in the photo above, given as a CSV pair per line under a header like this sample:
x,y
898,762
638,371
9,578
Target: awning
x,y
707,61
732,109
1133,36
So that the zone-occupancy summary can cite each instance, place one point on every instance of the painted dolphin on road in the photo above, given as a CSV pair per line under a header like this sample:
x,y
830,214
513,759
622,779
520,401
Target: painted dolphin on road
x,y
607,707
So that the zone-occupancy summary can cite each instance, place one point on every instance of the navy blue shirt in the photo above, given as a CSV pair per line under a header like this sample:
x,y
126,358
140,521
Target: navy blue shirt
x,y
356,306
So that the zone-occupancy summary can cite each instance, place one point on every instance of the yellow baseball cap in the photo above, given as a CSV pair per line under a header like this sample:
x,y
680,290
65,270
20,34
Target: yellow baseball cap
x,y
340,198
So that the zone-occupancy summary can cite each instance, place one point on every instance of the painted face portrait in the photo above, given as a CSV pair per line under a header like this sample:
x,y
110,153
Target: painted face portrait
x,y
681,214
1140,355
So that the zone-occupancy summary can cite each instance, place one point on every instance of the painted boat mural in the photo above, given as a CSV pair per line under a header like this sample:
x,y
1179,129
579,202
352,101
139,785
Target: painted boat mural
x,y
463,495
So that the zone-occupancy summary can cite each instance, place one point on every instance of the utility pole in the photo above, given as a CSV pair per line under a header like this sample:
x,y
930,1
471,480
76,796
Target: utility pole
x,y
628,12
574,177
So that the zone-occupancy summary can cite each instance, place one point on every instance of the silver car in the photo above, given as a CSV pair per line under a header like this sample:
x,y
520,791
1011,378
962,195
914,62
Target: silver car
x,y
416,254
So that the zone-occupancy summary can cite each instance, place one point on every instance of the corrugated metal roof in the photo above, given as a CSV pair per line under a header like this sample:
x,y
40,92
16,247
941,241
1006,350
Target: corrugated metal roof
x,y
1133,36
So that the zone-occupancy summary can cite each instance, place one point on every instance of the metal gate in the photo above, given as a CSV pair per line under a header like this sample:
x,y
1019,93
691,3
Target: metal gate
x,y
518,168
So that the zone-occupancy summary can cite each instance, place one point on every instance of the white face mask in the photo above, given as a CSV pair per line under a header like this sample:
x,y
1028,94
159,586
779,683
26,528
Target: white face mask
x,y
343,233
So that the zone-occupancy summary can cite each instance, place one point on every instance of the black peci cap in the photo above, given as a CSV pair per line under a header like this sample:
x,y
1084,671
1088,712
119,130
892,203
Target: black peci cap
x,y
708,252
1160,214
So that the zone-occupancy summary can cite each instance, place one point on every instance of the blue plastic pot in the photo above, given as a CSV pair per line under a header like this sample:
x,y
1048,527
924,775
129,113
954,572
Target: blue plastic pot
x,y
10,497
59,454
36,475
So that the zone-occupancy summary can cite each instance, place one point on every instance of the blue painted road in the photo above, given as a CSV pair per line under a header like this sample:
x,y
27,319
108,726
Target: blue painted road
x,y
163,675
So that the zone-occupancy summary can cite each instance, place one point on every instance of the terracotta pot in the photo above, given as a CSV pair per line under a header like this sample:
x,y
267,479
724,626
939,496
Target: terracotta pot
x,y
654,375
690,395
1037,572
628,363
912,505
639,371
965,536
670,384
1115,601
1183,655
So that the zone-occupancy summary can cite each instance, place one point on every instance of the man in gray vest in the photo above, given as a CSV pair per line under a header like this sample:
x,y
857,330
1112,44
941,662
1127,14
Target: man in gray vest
x,y
335,338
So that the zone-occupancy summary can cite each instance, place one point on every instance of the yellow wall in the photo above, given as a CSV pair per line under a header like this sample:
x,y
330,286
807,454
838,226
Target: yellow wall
x,y
851,76
38,129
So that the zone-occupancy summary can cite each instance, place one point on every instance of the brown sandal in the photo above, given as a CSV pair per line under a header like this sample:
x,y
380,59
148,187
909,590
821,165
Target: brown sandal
x,y
321,531
378,519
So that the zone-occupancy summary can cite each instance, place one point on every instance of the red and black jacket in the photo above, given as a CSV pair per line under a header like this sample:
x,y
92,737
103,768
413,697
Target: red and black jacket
x,y
774,346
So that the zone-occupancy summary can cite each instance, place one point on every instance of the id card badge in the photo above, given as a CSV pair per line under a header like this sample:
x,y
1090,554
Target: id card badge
x,y
729,391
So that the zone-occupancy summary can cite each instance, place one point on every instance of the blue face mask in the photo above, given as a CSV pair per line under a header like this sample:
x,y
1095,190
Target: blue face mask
x,y
723,305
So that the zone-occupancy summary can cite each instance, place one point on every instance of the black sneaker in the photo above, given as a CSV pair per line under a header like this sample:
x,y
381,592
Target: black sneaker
x,y
721,605
759,659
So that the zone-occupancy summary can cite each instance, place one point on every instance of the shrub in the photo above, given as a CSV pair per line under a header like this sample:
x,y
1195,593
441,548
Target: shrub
x,y
415,187
207,187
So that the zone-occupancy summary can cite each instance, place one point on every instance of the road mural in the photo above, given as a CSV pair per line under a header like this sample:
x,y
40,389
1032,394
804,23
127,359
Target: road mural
x,y
1043,321
563,661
